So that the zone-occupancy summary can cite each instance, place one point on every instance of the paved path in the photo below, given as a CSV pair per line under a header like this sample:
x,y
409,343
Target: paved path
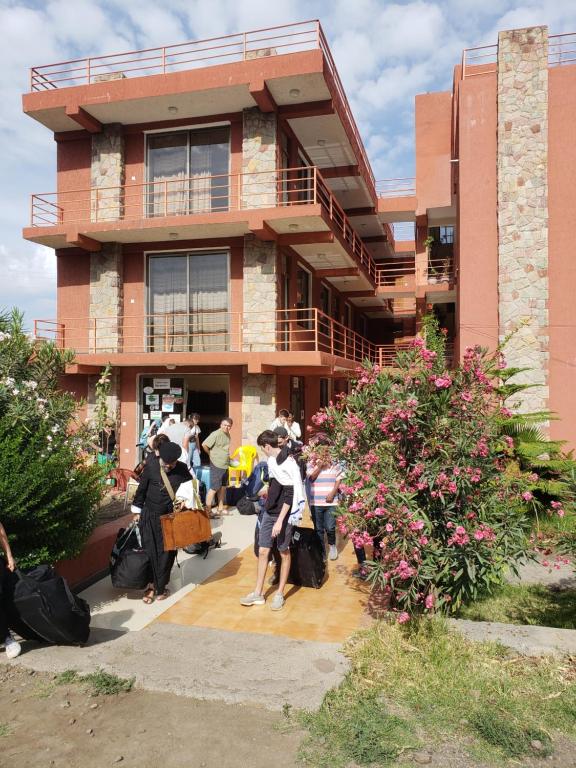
x,y
528,640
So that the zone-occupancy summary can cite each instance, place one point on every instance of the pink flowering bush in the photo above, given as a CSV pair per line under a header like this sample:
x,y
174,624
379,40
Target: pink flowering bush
x,y
430,482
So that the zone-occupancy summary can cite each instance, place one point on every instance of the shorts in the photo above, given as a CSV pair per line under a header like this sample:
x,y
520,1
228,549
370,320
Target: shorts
x,y
284,538
218,477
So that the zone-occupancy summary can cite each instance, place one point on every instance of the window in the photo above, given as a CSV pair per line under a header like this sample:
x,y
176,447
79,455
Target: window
x,y
188,171
324,392
188,302
442,235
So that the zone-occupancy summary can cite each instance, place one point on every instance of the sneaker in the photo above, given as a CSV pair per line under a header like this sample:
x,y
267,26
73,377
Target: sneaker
x,y
333,555
278,602
13,648
253,599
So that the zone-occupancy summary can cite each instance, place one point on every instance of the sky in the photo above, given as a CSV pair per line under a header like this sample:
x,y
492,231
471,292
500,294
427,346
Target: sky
x,y
386,53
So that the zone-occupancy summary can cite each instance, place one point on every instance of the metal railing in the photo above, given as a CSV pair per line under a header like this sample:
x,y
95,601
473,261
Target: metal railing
x,y
386,353
203,195
403,187
562,49
303,329
480,60
441,269
395,272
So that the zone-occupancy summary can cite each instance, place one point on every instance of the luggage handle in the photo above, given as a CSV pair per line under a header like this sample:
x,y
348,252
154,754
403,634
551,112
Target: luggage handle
x,y
133,527
27,580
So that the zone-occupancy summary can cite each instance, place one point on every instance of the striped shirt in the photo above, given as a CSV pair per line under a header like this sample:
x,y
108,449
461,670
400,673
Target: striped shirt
x,y
319,488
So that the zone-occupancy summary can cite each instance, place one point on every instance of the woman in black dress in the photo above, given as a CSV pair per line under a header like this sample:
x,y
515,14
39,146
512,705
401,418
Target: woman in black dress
x,y
150,502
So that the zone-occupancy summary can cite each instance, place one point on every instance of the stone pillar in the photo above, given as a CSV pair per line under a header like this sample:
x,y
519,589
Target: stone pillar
x,y
105,310
260,296
107,174
523,207
259,185
258,405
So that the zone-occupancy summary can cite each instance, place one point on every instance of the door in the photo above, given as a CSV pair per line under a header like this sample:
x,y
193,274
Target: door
x,y
297,405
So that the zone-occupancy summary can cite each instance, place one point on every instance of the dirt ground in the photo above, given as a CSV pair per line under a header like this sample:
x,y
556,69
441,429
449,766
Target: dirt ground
x,y
44,724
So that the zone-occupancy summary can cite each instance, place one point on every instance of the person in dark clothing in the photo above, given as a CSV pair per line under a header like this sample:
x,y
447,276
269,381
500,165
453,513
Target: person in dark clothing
x,y
12,646
151,501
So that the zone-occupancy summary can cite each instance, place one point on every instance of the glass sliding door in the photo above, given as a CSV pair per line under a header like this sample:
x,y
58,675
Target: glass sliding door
x,y
188,172
188,302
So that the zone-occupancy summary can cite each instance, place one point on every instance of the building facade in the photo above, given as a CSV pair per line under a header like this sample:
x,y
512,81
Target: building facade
x,y
221,240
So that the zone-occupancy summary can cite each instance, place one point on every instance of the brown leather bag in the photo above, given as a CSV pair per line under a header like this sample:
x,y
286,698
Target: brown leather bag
x,y
182,528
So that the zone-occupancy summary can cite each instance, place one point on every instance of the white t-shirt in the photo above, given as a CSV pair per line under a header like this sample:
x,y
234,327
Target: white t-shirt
x,y
294,430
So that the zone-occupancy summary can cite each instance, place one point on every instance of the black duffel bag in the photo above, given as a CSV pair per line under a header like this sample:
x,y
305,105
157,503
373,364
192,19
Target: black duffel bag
x,y
307,564
129,564
44,602
246,506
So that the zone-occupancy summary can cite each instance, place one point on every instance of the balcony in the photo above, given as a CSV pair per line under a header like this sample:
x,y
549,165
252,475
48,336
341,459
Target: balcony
x,y
396,200
293,206
264,68
386,354
282,338
441,269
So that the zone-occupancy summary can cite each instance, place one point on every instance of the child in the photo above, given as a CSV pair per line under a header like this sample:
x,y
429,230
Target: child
x,y
324,478
12,647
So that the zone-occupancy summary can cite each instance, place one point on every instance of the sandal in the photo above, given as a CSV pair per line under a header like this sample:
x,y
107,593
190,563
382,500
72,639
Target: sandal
x,y
163,596
148,597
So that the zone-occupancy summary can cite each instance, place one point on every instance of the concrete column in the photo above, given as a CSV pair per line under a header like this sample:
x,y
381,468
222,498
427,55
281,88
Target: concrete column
x,y
258,405
106,299
260,296
259,185
112,401
107,174
523,207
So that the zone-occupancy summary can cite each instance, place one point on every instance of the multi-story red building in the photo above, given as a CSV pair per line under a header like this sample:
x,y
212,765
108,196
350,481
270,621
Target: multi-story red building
x,y
221,240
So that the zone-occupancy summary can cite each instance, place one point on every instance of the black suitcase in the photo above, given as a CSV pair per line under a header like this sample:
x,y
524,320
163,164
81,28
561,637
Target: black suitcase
x,y
129,564
307,566
233,495
44,603
204,547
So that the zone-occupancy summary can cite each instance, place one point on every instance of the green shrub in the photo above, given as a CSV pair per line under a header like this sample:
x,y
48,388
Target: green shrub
x,y
48,490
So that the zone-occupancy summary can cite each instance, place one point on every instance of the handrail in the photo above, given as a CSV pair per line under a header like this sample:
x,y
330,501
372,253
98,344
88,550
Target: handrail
x,y
285,187
562,49
473,63
401,187
394,271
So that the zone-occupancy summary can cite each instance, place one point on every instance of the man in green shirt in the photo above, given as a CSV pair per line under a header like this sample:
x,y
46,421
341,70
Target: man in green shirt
x,y
217,446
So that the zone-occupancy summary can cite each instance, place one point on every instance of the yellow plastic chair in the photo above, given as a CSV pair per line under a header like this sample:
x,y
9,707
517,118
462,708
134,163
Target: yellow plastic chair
x,y
244,459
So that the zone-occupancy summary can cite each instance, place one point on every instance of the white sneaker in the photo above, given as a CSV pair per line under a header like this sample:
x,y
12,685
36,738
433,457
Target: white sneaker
x,y
333,555
277,602
253,599
13,647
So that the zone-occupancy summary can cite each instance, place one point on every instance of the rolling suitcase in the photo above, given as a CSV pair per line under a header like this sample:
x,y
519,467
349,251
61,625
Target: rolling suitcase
x,y
129,563
43,602
307,567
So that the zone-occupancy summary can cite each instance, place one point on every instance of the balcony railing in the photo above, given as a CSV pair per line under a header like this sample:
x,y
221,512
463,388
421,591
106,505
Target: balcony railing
x,y
404,187
288,330
243,46
562,49
395,272
441,269
386,353
200,195
484,59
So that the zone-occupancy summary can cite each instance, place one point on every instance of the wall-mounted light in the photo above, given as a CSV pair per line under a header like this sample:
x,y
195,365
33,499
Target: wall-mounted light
x,y
294,93
170,367
321,142
292,227
172,235
173,110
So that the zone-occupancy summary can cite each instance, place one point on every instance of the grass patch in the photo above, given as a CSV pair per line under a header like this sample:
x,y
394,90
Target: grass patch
x,y
100,683
533,604
427,683
4,729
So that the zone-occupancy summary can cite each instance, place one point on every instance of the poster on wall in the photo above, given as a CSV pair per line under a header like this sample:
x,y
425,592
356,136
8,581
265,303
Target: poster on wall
x,y
168,408
148,390
168,403
161,383
175,390
153,400
178,401
155,415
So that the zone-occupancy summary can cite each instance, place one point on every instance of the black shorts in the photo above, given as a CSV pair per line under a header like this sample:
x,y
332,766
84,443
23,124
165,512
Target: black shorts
x,y
265,539
218,477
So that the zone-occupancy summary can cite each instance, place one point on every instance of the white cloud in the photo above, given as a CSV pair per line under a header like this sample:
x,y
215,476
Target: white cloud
x,y
28,280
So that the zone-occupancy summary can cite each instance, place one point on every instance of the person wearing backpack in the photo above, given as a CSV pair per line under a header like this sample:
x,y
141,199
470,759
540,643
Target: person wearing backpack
x,y
12,647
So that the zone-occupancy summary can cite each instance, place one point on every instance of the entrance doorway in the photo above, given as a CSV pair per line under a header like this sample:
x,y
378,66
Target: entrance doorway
x,y
297,404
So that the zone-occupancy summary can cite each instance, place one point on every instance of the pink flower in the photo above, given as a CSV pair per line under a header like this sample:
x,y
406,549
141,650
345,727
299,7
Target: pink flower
x,y
403,617
416,525
466,396
429,602
423,540
389,527
527,496
441,382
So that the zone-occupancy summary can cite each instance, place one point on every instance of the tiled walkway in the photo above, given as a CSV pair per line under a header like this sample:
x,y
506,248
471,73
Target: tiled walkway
x,y
328,614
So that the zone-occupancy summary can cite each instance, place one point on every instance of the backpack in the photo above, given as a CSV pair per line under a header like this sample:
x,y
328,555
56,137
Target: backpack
x,y
204,547
246,506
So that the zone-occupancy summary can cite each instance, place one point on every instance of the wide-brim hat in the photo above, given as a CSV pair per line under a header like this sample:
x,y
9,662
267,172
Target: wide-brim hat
x,y
169,452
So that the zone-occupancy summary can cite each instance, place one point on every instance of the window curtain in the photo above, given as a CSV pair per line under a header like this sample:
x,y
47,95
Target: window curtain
x,y
168,304
167,173
209,302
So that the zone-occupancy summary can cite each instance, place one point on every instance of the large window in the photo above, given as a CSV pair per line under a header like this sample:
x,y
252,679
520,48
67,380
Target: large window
x,y
188,302
188,171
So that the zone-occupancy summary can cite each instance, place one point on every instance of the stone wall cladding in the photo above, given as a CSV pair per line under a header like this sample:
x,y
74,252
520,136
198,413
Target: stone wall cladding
x,y
112,401
260,295
523,207
258,405
107,174
258,159
106,298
